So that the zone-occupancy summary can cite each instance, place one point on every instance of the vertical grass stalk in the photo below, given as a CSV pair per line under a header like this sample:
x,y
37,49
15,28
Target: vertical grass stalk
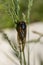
x,y
28,19
28,56
24,58
29,9
20,57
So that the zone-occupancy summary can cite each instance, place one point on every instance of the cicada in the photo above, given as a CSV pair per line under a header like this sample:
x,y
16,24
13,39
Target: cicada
x,y
21,34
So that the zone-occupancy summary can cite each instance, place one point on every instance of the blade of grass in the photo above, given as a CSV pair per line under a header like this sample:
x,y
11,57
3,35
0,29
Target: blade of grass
x,y
28,56
6,37
37,33
24,58
20,57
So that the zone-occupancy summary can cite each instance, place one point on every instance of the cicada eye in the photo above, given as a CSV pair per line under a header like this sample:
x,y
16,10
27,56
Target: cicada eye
x,y
23,26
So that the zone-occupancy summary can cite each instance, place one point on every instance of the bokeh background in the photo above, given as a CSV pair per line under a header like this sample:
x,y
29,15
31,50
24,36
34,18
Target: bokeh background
x,y
8,8
6,19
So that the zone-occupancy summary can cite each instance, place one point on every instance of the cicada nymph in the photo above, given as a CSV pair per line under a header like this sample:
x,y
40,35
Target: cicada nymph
x,y
21,34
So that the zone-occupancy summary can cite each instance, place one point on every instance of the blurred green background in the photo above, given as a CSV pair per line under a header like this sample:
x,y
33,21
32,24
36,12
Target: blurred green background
x,y
6,19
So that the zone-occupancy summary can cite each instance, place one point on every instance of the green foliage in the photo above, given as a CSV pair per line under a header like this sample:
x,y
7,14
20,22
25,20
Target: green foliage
x,y
13,10
37,11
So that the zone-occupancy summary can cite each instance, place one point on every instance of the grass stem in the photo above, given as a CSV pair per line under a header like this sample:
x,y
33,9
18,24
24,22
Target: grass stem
x,y
24,58
20,57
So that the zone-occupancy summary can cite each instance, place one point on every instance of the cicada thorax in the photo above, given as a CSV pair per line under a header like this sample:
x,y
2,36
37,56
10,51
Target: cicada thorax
x,y
21,34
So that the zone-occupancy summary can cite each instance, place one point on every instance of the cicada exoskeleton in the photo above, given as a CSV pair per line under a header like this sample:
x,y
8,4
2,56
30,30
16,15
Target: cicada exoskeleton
x,y
21,34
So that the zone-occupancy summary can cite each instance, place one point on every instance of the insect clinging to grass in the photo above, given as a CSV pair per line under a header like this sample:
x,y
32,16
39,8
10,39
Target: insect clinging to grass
x,y
21,34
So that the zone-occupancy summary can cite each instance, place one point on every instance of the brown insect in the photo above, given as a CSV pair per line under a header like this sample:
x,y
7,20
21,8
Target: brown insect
x,y
21,34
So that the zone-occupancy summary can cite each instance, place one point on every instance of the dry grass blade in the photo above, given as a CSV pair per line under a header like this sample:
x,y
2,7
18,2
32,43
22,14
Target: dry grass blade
x,y
37,33
11,43
6,37
34,40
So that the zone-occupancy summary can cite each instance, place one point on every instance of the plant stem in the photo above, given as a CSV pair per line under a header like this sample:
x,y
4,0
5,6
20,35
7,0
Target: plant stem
x,y
20,57
24,58
29,9
28,56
